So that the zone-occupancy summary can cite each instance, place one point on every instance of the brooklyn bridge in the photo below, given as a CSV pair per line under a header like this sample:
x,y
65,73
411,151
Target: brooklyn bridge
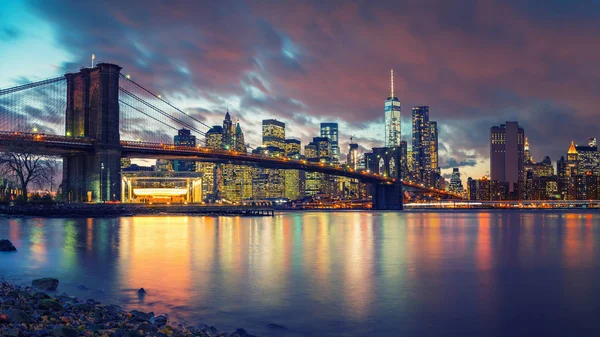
x,y
97,116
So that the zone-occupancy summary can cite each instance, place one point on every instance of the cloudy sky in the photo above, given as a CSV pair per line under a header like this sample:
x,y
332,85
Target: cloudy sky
x,y
475,63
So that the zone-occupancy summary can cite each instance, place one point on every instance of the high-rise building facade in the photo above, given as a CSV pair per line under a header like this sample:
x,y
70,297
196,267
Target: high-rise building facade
x,y
184,138
588,159
433,145
507,154
455,182
526,152
421,147
214,138
330,130
294,179
405,161
273,133
228,135
392,118
352,157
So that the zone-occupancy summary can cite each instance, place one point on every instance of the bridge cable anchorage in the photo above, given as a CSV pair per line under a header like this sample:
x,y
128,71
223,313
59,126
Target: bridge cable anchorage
x,y
156,119
169,104
175,119
31,85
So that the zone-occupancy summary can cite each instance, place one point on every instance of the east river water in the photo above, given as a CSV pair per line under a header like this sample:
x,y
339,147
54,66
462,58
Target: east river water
x,y
499,273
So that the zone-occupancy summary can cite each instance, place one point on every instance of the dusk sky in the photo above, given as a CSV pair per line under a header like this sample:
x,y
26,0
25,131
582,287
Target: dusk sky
x,y
475,63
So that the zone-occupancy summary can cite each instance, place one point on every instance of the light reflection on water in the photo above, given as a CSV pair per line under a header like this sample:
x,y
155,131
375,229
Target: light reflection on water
x,y
330,273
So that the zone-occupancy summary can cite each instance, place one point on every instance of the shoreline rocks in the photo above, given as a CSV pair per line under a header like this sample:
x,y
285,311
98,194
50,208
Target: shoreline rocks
x,y
7,246
48,283
26,312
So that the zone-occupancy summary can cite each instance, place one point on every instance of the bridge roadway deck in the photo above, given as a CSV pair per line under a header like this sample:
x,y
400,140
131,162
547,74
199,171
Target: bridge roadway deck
x,y
45,144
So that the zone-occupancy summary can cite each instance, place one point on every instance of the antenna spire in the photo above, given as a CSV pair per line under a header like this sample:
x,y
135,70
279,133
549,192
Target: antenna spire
x,y
392,82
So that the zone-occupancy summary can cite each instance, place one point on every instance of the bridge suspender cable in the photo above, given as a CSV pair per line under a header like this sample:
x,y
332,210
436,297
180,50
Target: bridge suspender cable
x,y
156,119
169,104
31,85
162,112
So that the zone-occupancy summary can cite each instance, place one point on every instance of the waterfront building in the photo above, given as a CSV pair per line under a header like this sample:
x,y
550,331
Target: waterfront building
x,y
161,187
485,189
184,138
507,154
209,180
330,131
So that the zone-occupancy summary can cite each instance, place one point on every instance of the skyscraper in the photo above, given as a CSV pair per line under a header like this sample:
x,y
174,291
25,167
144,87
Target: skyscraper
x,y
214,138
421,148
507,153
392,118
228,132
294,179
527,153
273,133
455,182
352,157
433,145
318,151
588,158
184,138
404,160
330,130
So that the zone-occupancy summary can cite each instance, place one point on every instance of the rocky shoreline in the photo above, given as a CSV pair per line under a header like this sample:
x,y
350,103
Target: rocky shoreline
x,y
69,210
29,311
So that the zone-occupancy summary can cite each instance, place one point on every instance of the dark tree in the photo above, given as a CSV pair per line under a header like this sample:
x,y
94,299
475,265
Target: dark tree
x,y
27,167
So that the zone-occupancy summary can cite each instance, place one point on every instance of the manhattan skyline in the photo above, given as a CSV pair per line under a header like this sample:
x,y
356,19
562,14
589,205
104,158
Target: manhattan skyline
x,y
307,63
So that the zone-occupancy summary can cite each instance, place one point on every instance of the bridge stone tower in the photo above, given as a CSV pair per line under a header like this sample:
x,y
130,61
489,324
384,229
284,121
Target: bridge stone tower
x,y
386,161
93,112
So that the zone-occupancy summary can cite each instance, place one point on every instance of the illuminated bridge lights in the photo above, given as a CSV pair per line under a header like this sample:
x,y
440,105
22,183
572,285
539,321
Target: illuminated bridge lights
x,y
66,141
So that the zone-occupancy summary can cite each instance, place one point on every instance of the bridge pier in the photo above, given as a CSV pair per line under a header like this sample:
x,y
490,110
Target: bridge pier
x,y
93,112
387,197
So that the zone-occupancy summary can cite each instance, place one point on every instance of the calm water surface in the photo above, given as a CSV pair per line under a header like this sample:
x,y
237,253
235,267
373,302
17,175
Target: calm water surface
x,y
331,274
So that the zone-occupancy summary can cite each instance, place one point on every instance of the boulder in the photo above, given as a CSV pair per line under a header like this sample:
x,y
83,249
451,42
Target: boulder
x,y
139,316
50,304
7,246
159,320
15,315
47,283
